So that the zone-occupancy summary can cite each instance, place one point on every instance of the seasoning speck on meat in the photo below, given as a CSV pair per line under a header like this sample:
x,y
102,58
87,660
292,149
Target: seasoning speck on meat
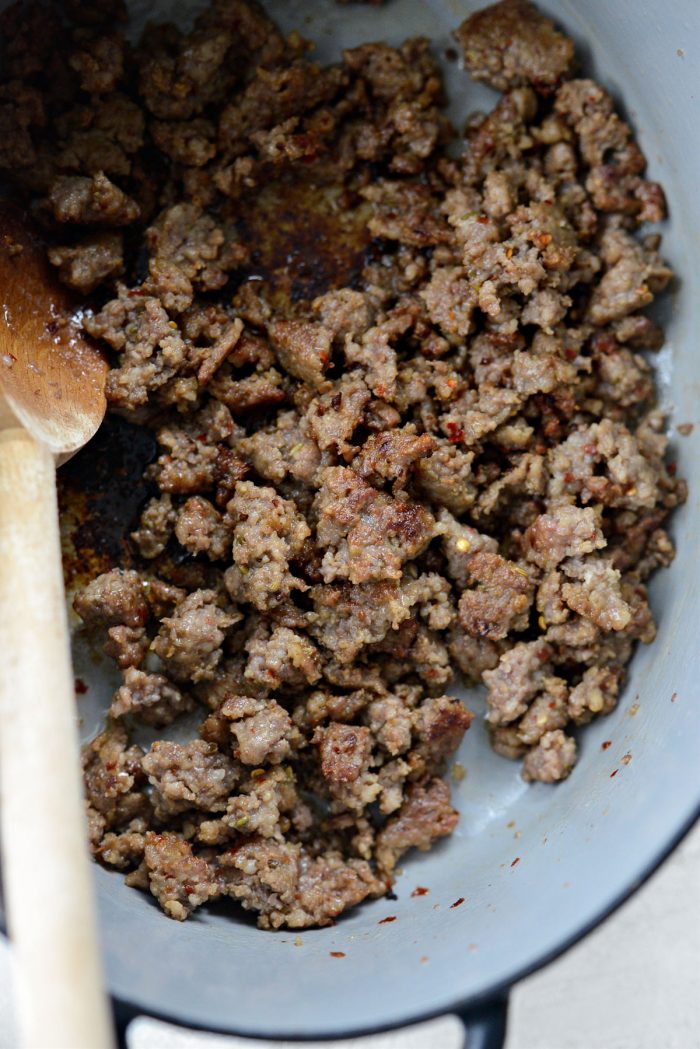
x,y
404,419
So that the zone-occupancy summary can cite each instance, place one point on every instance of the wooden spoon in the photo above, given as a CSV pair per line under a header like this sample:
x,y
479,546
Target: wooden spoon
x,y
51,402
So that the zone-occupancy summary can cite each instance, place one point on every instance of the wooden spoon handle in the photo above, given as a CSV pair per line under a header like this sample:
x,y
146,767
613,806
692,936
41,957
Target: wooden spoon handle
x,y
47,879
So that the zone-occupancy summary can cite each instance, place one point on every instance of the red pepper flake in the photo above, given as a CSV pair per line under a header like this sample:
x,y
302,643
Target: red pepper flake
x,y
420,890
189,889
337,954
515,862
455,433
457,903
674,697
613,774
482,220
605,744
80,686
671,469
385,921
570,353
201,437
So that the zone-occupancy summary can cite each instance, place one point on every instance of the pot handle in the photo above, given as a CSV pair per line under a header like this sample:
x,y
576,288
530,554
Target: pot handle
x,y
477,1027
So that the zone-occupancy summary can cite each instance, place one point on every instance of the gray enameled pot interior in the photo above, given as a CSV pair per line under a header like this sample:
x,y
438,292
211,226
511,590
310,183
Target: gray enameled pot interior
x,y
580,846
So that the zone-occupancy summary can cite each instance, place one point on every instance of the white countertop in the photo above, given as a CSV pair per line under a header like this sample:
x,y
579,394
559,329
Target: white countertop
x,y
632,984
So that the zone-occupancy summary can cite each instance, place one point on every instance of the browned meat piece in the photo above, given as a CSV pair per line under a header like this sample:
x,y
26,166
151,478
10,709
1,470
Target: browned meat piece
x,y
608,150
190,451
406,212
151,350
511,43
189,776
303,349
189,642
287,887
450,301
628,480
178,879
445,477
346,617
124,850
405,87
499,603
127,645
99,62
262,728
377,359
367,534
389,456
189,142
188,243
345,751
113,599
283,450
390,722
547,712
596,593
91,202
111,769
552,759
439,725
634,275
285,658
150,697
332,418
201,529
596,693
516,679
155,526
345,312
568,532
472,655
268,533
425,816
91,262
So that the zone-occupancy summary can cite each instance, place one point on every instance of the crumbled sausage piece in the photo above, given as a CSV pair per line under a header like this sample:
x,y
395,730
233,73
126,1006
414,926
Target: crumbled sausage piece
x,y
552,759
201,529
155,526
425,815
511,43
367,535
189,642
568,532
150,697
268,532
180,880
113,599
91,202
285,658
189,775
344,750
303,349
516,679
262,728
498,604
94,260
439,725
390,454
